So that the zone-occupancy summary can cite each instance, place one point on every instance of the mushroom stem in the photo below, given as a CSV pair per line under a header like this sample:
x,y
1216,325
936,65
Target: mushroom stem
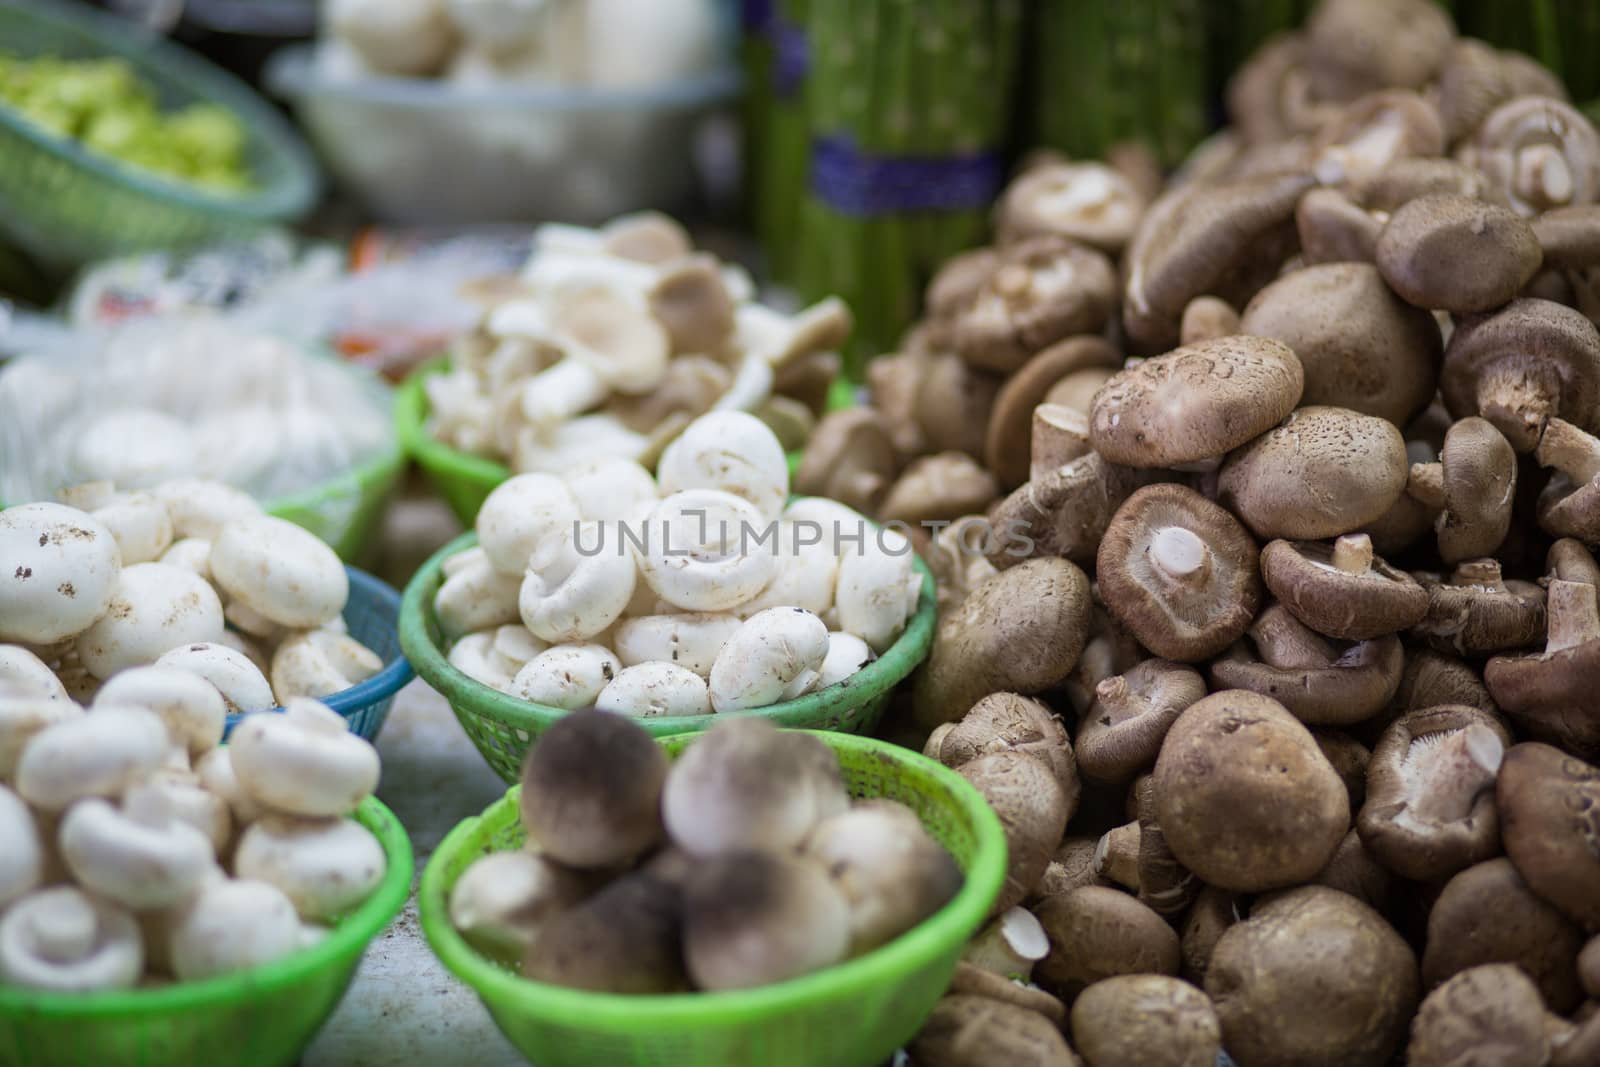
x,y
1518,399
1574,618
1116,856
63,927
1179,554
1448,773
1426,484
1543,177
1570,451
1483,573
1285,643
1010,945
1116,697
1352,554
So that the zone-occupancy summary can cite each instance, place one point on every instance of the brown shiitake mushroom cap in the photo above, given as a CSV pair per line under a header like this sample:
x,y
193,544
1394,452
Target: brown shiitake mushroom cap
x,y
1521,366
974,1031
1476,612
1342,590
1321,684
1010,722
1213,912
1065,512
1570,236
978,982
1372,132
1072,867
1589,967
1206,318
1354,870
1165,884
624,939
1487,914
1096,933
1551,694
956,283
1406,179
850,458
1006,449
1475,483
1355,44
1033,809
1179,572
1323,472
1043,289
1226,239
1430,807
953,405
1540,152
1349,758
943,486
1454,253
1245,797
1021,631
1488,1015
1313,976
1122,731
1088,202
1058,434
1146,1020
1335,229
1195,403
1569,504
1361,347
1550,821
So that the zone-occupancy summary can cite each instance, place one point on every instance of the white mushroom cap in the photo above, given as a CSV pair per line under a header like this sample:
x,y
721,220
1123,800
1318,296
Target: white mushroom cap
x,y
610,488
60,571
233,674
154,607
190,553
502,901
64,940
96,755
134,448
215,771
21,851
522,513
847,654
578,583
140,524
304,761
652,689
24,674
703,550
190,706
475,657
878,589
232,926
690,640
22,717
200,509
774,656
808,570
475,596
566,676
193,803
326,867
280,571
246,620
317,663
142,856
730,451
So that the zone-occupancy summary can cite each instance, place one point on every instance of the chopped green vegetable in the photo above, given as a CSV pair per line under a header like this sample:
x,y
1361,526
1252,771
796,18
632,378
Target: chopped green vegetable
x,y
106,107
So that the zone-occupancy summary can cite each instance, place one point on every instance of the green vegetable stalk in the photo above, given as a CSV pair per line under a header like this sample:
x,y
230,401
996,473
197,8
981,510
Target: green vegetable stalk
x,y
779,158
1564,35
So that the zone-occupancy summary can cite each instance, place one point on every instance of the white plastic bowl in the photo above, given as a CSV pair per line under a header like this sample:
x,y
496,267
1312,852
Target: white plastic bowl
x,y
425,151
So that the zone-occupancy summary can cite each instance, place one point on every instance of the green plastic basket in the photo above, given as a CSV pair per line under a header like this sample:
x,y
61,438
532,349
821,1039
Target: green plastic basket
x,y
347,511
502,726
259,1018
853,1015
64,205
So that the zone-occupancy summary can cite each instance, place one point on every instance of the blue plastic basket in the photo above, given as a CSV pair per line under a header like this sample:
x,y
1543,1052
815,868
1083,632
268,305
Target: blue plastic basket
x,y
373,615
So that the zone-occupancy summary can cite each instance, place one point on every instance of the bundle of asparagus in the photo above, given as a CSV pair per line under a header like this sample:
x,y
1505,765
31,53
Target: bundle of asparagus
x,y
776,61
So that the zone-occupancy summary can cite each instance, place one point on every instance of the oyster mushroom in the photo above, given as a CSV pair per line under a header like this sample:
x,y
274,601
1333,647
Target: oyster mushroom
x,y
1145,1020
1097,933
1042,289
1179,572
1121,732
1547,801
1324,472
591,790
1227,754
1550,694
1472,486
1430,807
1488,1014
1342,591
1455,253
1189,407
1360,347
1476,612
1540,152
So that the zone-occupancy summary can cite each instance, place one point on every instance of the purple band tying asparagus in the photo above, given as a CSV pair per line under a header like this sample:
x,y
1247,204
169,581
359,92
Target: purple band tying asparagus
x,y
856,183
791,55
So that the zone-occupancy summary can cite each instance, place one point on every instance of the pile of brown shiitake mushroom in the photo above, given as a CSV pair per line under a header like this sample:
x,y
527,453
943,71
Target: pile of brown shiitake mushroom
x,y
1263,504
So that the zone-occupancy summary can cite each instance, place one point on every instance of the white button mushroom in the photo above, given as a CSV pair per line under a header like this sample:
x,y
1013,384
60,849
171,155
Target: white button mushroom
x,y
847,654
279,571
190,553
232,926
652,689
141,525
398,37
502,901
522,513
475,657
566,676
577,583
611,488
774,656
215,772
475,596
193,803
230,671
22,717
191,707
691,640
316,663
65,941
707,550
808,569
304,761
142,856
24,674
878,589
730,451
21,851
326,867
154,607
59,573
96,755
200,509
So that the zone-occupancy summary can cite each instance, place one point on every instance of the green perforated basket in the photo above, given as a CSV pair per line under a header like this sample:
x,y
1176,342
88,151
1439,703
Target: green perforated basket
x,y
503,726
258,1018
853,1015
